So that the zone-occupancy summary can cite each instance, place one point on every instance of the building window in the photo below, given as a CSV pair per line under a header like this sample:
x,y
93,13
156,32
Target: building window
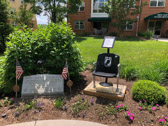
x,y
157,3
12,0
128,4
82,7
79,25
129,26
12,10
22,1
98,6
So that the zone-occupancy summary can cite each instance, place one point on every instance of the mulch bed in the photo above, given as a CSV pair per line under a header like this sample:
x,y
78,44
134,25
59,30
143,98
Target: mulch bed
x,y
48,112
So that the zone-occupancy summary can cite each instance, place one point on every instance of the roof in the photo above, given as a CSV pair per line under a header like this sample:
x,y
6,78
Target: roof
x,y
98,19
161,15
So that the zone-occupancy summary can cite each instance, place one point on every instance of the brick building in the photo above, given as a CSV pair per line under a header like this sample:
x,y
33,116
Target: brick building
x,y
14,6
92,20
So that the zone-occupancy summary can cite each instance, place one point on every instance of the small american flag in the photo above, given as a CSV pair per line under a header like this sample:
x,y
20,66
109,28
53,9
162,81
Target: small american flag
x,y
65,72
19,70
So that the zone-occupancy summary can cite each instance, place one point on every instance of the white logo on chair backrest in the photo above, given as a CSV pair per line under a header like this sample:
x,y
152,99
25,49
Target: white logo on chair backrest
x,y
107,61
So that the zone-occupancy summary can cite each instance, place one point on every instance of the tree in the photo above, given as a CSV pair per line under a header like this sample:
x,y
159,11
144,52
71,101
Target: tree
x,y
5,27
24,16
56,10
122,12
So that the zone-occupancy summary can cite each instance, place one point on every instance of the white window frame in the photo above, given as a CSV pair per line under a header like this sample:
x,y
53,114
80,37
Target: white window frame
x,y
98,8
126,27
157,3
83,5
79,24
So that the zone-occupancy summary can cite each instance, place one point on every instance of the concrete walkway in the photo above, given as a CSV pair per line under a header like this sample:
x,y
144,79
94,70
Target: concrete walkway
x,y
58,123
162,39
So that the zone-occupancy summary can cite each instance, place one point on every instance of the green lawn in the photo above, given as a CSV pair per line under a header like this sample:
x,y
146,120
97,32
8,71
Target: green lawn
x,y
132,51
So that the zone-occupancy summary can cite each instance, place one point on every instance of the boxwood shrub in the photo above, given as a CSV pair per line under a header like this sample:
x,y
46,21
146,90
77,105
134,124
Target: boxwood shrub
x,y
54,44
151,91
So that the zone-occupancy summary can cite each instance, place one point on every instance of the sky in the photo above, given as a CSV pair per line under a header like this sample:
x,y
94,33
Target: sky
x,y
42,19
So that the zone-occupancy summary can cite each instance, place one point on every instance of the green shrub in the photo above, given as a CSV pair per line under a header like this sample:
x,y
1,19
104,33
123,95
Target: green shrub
x,y
141,34
113,34
128,72
151,91
54,44
156,72
148,34
59,103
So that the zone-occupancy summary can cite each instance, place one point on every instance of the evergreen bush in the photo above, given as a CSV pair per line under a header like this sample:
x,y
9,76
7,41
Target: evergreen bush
x,y
150,91
54,44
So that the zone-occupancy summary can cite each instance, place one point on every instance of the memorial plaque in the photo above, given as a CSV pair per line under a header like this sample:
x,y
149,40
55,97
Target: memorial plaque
x,y
42,85
108,42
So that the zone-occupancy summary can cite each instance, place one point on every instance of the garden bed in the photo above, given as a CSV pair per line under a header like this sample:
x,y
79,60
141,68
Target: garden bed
x,y
91,108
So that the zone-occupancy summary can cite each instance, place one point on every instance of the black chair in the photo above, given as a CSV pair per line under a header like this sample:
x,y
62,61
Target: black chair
x,y
107,66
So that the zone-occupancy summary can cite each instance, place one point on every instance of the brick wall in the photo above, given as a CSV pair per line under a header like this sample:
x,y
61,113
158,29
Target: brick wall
x,y
146,11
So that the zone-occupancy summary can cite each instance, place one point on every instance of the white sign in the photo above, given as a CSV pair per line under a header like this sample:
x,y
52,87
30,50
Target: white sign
x,y
42,85
108,42
161,16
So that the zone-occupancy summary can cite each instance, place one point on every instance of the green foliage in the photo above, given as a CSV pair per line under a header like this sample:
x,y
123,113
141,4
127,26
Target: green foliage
x,y
113,34
141,34
31,105
111,109
151,91
166,100
150,107
24,16
119,10
5,27
0,104
79,106
54,8
148,34
158,72
59,103
128,72
53,43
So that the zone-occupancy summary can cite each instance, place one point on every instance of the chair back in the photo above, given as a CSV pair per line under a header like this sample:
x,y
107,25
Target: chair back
x,y
107,63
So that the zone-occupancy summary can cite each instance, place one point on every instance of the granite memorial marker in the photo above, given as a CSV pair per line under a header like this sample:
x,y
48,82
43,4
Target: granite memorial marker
x,y
42,85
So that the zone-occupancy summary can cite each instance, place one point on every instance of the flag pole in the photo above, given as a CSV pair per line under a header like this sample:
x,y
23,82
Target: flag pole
x,y
68,74
16,79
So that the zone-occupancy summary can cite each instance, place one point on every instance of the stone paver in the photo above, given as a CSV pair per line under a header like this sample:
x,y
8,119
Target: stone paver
x,y
58,123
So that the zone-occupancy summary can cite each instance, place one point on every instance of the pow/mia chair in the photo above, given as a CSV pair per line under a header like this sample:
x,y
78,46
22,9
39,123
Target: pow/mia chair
x,y
107,66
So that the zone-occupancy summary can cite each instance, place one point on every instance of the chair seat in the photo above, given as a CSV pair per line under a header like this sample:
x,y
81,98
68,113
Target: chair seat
x,y
102,74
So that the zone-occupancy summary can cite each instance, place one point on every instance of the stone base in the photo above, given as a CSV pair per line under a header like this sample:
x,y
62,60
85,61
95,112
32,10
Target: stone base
x,y
106,92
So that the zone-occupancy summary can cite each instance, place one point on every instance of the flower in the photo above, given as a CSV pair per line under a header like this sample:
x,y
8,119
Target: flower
x,y
161,120
40,104
153,108
166,117
11,98
144,100
117,106
92,101
157,105
140,108
132,114
121,105
131,118
83,115
140,101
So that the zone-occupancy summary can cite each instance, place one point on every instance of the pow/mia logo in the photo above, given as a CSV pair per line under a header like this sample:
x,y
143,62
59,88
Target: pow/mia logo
x,y
107,61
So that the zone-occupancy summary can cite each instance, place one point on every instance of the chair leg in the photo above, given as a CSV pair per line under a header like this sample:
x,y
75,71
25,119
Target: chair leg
x,y
94,82
106,80
117,90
